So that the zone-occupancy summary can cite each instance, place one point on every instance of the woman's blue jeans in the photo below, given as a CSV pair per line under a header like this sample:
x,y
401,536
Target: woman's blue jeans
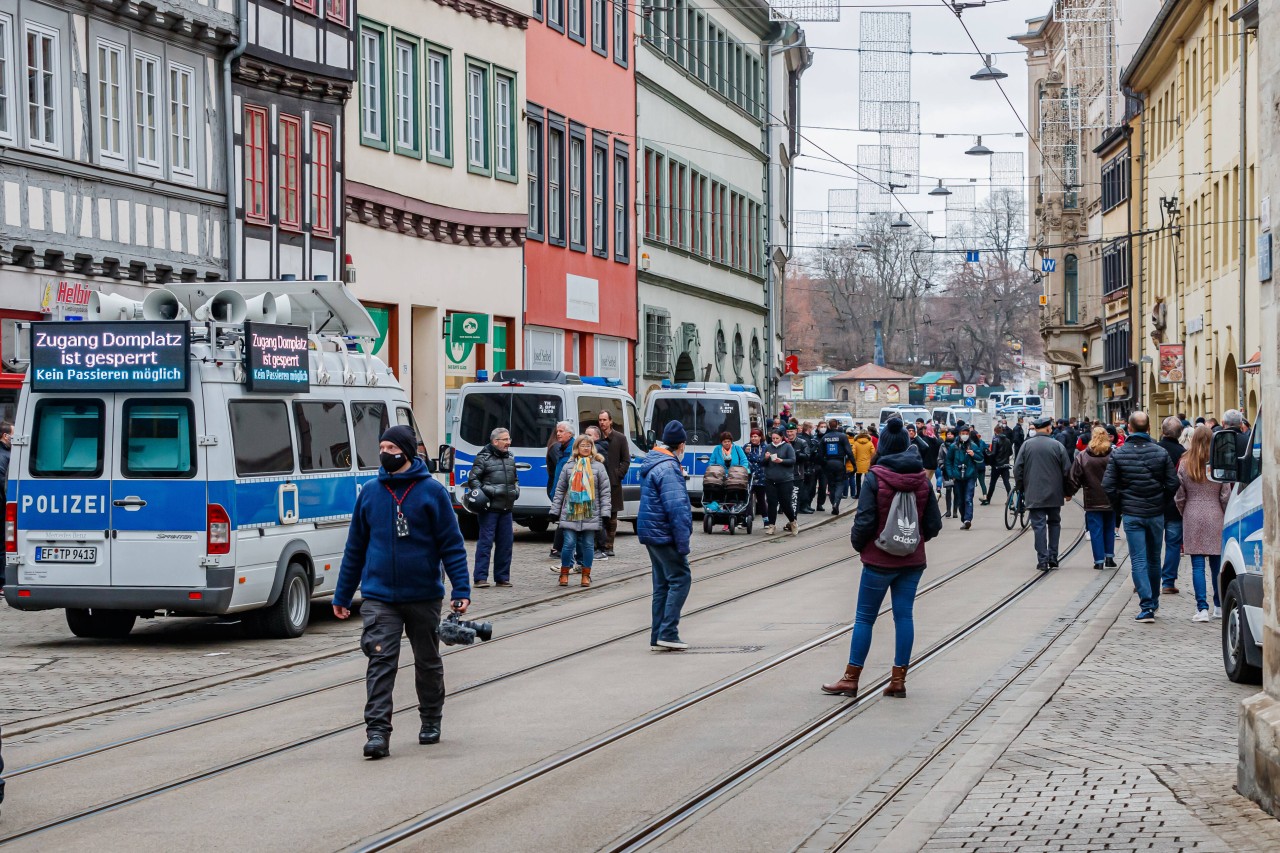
x,y
902,587
1197,578
1102,533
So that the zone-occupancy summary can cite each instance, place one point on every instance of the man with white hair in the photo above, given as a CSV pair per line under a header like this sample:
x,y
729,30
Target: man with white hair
x,y
559,449
1233,420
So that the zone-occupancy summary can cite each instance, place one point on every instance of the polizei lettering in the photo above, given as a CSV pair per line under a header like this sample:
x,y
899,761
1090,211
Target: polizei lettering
x,y
64,504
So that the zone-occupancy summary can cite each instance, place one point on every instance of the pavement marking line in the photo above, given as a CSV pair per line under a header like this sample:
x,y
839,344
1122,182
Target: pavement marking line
x,y
928,816
97,709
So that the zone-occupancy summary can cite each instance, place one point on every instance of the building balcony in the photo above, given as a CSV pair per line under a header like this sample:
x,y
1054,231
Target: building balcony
x,y
1067,342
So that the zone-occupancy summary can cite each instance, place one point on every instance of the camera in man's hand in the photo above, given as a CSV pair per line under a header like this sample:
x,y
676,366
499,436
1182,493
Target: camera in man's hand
x,y
456,631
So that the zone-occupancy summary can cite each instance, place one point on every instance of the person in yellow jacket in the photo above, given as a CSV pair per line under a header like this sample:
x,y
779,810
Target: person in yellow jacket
x,y
863,451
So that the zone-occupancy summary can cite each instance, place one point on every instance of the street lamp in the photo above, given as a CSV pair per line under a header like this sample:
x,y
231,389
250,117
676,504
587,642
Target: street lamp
x,y
979,150
939,189
901,222
988,72
863,246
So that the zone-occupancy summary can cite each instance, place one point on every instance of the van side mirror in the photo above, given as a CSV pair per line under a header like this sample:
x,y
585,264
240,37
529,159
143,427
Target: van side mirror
x,y
433,466
651,438
444,460
1223,463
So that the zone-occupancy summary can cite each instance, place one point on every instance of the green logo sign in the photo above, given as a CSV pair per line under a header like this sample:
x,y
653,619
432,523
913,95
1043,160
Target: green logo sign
x,y
469,328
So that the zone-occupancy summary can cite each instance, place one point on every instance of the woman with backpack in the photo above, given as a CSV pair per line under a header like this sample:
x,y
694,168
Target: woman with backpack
x,y
1087,470
897,514
1203,504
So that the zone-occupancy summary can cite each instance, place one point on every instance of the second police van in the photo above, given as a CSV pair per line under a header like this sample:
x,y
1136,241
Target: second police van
x,y
199,453
1240,581
529,404
706,409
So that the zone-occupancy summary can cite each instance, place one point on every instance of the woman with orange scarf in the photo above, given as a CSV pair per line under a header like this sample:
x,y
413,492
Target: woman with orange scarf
x,y
582,496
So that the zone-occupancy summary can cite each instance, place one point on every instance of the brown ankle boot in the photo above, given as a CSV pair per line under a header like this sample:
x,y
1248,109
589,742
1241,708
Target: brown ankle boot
x,y
848,683
586,576
564,577
897,683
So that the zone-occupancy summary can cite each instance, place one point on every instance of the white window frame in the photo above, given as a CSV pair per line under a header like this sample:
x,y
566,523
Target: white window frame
x,y
182,128
112,116
504,153
555,179
52,110
599,215
372,120
577,177
404,87
574,23
7,86
141,97
620,236
599,26
437,104
477,127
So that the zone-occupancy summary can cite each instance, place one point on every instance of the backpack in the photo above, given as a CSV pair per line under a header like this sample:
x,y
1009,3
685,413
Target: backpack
x,y
901,534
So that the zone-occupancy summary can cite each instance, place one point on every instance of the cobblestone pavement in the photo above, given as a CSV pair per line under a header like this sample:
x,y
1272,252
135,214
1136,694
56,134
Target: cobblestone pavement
x,y
47,670
1135,751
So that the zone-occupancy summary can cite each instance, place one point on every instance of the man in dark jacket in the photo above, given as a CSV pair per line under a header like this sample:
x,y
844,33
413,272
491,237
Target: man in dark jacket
x,y
617,461
1019,435
402,531
1170,432
808,474
558,453
1000,458
1233,420
494,473
1140,480
1066,436
929,448
836,450
800,445
664,525
1041,475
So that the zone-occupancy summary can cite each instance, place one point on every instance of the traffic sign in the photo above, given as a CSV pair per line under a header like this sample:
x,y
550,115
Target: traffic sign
x,y
970,391
970,402
971,257
1048,265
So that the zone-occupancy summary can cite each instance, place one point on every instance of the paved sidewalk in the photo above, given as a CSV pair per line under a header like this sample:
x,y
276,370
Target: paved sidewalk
x,y
1135,751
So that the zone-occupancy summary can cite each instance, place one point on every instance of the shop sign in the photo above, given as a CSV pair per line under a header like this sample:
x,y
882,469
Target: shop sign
x,y
469,328
101,357
1172,366
276,358
65,294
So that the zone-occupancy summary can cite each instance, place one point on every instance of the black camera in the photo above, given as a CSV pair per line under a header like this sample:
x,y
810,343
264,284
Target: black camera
x,y
456,631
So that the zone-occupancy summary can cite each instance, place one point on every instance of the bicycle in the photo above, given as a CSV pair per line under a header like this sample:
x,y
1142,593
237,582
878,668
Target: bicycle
x,y
1015,511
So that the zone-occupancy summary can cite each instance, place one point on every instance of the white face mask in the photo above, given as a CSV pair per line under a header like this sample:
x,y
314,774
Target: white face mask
x,y
964,436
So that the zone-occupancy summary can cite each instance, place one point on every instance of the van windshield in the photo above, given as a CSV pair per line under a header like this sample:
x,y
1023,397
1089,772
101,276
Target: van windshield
x,y
704,418
531,418
67,439
1032,401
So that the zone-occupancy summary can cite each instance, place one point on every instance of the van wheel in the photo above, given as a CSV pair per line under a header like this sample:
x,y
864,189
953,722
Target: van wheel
x,y
1235,633
100,624
288,617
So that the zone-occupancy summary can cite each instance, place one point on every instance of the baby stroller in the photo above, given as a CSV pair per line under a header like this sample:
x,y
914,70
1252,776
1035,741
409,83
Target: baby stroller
x,y
726,498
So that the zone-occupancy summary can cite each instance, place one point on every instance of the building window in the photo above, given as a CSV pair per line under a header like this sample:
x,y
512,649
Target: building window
x,y
1116,352
555,15
504,127
438,111
1070,290
305,5
372,131
42,86
1115,182
146,109
534,165
555,185
405,95
6,79
599,199
336,11
620,32
321,179
537,9
1115,267
600,27
478,119
255,165
621,221
111,103
289,182
182,120
576,28
657,342
577,184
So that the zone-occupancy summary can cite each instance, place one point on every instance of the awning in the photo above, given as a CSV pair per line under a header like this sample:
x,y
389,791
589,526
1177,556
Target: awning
x,y
1254,364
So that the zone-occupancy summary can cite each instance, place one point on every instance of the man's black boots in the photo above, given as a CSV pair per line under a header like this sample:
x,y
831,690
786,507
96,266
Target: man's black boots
x,y
430,733
378,745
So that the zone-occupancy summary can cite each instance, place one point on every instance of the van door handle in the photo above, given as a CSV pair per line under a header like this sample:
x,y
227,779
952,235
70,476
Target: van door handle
x,y
132,503
287,515
523,466
704,458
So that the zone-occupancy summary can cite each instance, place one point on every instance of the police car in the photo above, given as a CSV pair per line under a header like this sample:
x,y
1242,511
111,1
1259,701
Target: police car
x,y
1240,581
198,453
529,404
706,409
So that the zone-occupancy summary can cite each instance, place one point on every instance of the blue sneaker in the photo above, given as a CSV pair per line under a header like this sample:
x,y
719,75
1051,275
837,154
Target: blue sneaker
x,y
1145,616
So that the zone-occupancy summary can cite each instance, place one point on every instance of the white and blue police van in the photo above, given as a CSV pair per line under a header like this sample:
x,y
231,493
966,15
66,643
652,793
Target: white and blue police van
x,y
1240,580
706,409
529,404
198,453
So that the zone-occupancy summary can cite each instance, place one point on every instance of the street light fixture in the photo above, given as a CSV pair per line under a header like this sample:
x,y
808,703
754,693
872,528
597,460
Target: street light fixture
x,y
979,150
939,189
862,246
901,222
988,72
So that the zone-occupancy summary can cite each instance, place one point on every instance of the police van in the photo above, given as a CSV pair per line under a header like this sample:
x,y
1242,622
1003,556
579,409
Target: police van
x,y
198,453
529,404
706,409
1240,580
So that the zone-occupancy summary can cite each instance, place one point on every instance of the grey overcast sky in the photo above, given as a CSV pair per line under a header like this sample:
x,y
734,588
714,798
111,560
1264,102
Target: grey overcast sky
x,y
950,102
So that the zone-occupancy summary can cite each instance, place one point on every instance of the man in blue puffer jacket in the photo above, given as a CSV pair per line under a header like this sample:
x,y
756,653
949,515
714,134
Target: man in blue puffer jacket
x,y
403,530
664,524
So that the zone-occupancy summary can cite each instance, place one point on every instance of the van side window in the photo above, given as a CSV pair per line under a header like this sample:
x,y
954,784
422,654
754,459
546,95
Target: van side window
x,y
755,412
369,420
67,439
157,439
481,415
634,432
533,419
323,441
260,433
404,417
589,409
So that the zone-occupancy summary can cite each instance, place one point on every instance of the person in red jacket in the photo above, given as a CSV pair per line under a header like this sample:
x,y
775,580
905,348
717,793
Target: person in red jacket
x,y
898,468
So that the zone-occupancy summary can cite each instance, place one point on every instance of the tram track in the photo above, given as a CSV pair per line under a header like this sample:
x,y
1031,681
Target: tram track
x,y
313,691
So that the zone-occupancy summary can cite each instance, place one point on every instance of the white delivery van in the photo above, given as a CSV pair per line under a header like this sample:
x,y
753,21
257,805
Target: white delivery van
x,y
951,416
1030,405
907,414
529,403
1240,581
706,409
203,458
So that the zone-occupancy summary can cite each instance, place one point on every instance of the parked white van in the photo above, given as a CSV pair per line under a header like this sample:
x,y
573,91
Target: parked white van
x,y
907,414
1240,580
197,453
951,416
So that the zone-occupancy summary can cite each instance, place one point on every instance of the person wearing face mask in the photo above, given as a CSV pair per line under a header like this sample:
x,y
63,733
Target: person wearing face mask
x,y
964,460
494,474
820,470
779,485
403,531
755,450
664,526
